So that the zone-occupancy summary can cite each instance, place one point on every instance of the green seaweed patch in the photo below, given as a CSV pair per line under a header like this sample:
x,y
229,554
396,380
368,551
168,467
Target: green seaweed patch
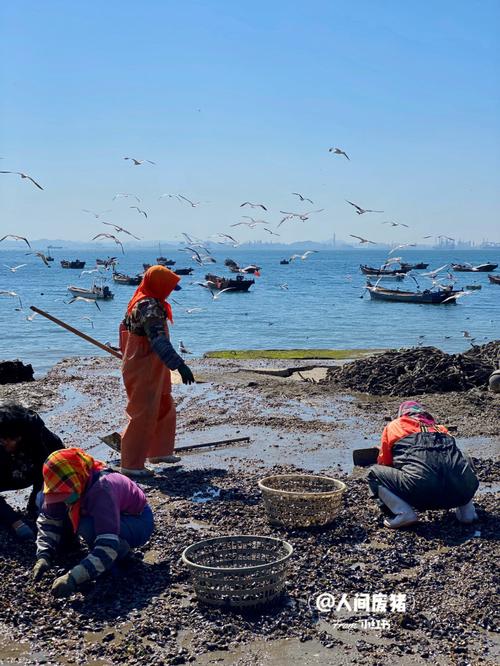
x,y
249,354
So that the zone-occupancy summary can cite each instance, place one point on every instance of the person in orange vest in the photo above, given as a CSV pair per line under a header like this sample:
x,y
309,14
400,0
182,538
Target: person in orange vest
x,y
148,358
421,467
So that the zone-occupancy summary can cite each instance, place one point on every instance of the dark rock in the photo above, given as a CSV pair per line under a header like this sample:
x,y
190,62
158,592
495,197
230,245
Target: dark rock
x,y
15,372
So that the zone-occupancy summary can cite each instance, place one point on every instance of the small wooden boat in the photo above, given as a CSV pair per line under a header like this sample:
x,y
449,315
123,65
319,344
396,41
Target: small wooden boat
x,y
163,261
110,261
494,279
72,264
97,293
414,267
427,296
238,283
284,262
469,268
132,280
183,271
368,270
48,256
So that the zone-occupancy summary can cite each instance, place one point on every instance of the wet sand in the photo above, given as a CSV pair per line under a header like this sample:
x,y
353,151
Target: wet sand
x,y
148,615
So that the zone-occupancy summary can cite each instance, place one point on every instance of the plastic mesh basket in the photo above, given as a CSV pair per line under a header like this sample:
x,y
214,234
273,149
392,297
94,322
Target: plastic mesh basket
x,y
302,500
238,571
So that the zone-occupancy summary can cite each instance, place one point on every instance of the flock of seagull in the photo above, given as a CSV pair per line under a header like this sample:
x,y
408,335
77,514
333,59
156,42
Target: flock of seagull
x,y
197,248
253,223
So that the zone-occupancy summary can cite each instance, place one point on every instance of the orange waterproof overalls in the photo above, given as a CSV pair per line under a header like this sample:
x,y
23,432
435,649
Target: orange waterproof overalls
x,y
151,409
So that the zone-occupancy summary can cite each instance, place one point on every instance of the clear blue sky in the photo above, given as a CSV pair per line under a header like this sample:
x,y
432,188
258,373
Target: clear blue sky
x,y
240,101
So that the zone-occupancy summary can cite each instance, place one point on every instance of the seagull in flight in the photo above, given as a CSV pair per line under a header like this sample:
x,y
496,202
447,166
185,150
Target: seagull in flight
x,y
433,273
138,162
362,240
302,198
338,151
216,296
253,205
361,211
193,204
126,195
24,175
303,256
206,259
193,310
191,241
89,320
230,238
42,257
399,247
82,298
455,297
119,229
13,294
89,272
183,349
396,224
139,210
271,232
97,214
21,238
117,241
251,224
301,216
13,269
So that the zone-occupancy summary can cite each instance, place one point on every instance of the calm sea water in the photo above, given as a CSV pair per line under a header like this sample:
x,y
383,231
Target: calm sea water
x,y
321,308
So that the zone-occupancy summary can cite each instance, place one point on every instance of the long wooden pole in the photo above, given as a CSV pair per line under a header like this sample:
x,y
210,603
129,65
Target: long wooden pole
x,y
71,329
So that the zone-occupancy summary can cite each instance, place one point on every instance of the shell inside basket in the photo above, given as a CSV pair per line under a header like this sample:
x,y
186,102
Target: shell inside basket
x,y
239,571
302,500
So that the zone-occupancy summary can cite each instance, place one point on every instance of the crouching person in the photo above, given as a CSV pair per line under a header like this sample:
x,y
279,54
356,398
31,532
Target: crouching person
x,y
108,510
420,467
25,443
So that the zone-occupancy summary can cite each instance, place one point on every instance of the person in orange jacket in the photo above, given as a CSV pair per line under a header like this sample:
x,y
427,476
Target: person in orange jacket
x,y
420,467
148,358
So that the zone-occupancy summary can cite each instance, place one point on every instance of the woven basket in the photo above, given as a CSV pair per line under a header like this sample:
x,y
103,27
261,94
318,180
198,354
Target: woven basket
x,y
238,571
302,500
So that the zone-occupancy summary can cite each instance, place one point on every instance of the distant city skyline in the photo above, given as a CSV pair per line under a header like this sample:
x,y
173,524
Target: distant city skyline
x,y
236,103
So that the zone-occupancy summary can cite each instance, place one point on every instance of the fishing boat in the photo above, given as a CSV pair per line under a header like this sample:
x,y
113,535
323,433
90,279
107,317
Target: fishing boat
x,y
284,262
473,287
437,296
110,261
121,278
378,272
469,268
72,264
183,271
413,267
97,293
494,279
238,283
163,261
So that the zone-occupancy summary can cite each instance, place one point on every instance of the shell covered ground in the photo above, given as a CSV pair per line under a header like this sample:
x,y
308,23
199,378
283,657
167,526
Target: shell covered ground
x,y
146,611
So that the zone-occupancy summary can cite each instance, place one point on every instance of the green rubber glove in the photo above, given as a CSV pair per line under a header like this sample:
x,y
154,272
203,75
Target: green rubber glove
x,y
186,374
64,586
42,565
